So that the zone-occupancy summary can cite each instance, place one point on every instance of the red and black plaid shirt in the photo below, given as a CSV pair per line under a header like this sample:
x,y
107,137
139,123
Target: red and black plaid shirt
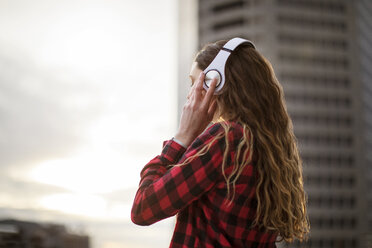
x,y
197,192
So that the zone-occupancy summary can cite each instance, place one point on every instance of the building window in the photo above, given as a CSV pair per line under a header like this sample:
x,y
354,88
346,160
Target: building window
x,y
346,181
314,60
321,120
317,42
336,101
318,23
335,7
312,80
237,22
228,6
329,160
331,201
327,222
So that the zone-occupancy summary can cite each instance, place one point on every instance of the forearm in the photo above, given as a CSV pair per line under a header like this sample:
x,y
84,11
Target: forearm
x,y
165,190
171,153
152,172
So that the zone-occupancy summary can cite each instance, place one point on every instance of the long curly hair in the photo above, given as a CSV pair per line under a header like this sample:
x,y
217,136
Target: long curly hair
x,y
253,97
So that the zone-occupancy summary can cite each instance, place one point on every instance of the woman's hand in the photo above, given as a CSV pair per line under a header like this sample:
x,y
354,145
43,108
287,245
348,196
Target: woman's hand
x,y
197,112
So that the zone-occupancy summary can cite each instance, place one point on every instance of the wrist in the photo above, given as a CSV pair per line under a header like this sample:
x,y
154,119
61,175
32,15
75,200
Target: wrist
x,y
182,139
179,142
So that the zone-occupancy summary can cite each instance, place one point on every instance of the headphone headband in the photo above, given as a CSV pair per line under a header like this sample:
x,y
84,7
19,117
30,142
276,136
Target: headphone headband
x,y
216,68
235,42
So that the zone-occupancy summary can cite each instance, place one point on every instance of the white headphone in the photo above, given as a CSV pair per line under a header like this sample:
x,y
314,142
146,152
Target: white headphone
x,y
216,68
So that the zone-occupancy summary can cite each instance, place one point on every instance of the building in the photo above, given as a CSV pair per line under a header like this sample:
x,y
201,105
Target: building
x,y
363,35
23,234
321,53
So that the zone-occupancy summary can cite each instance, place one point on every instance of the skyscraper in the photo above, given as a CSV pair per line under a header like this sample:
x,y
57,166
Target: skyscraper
x,y
363,39
321,54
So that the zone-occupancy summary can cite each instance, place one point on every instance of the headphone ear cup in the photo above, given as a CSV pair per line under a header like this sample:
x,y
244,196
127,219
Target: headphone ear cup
x,y
209,76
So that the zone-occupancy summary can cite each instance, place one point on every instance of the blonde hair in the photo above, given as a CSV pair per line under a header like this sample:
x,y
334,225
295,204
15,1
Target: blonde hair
x,y
253,97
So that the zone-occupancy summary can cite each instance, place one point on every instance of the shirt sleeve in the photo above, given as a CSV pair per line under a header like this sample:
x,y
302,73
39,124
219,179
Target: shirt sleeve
x,y
163,192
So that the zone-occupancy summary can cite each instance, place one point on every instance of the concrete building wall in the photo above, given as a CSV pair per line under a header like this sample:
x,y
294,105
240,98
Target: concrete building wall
x,y
326,77
363,35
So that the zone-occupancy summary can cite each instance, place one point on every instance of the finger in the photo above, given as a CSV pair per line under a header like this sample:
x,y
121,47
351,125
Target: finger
x,y
199,87
191,94
210,92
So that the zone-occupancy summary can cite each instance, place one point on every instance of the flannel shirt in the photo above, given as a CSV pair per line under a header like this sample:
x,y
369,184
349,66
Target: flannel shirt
x,y
196,192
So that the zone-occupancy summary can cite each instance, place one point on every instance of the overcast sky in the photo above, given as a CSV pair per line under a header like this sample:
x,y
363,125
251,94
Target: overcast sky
x,y
87,95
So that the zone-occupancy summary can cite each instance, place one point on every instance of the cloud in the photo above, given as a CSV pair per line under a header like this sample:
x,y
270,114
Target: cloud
x,y
94,93
123,195
41,115
20,194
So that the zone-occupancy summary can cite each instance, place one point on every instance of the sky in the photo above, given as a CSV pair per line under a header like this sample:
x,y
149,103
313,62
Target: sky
x,y
87,96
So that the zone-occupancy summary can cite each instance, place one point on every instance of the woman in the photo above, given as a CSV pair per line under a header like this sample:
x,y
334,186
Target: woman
x,y
239,182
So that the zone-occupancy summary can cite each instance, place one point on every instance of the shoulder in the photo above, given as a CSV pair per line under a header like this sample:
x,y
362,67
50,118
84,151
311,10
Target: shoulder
x,y
229,127
233,130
